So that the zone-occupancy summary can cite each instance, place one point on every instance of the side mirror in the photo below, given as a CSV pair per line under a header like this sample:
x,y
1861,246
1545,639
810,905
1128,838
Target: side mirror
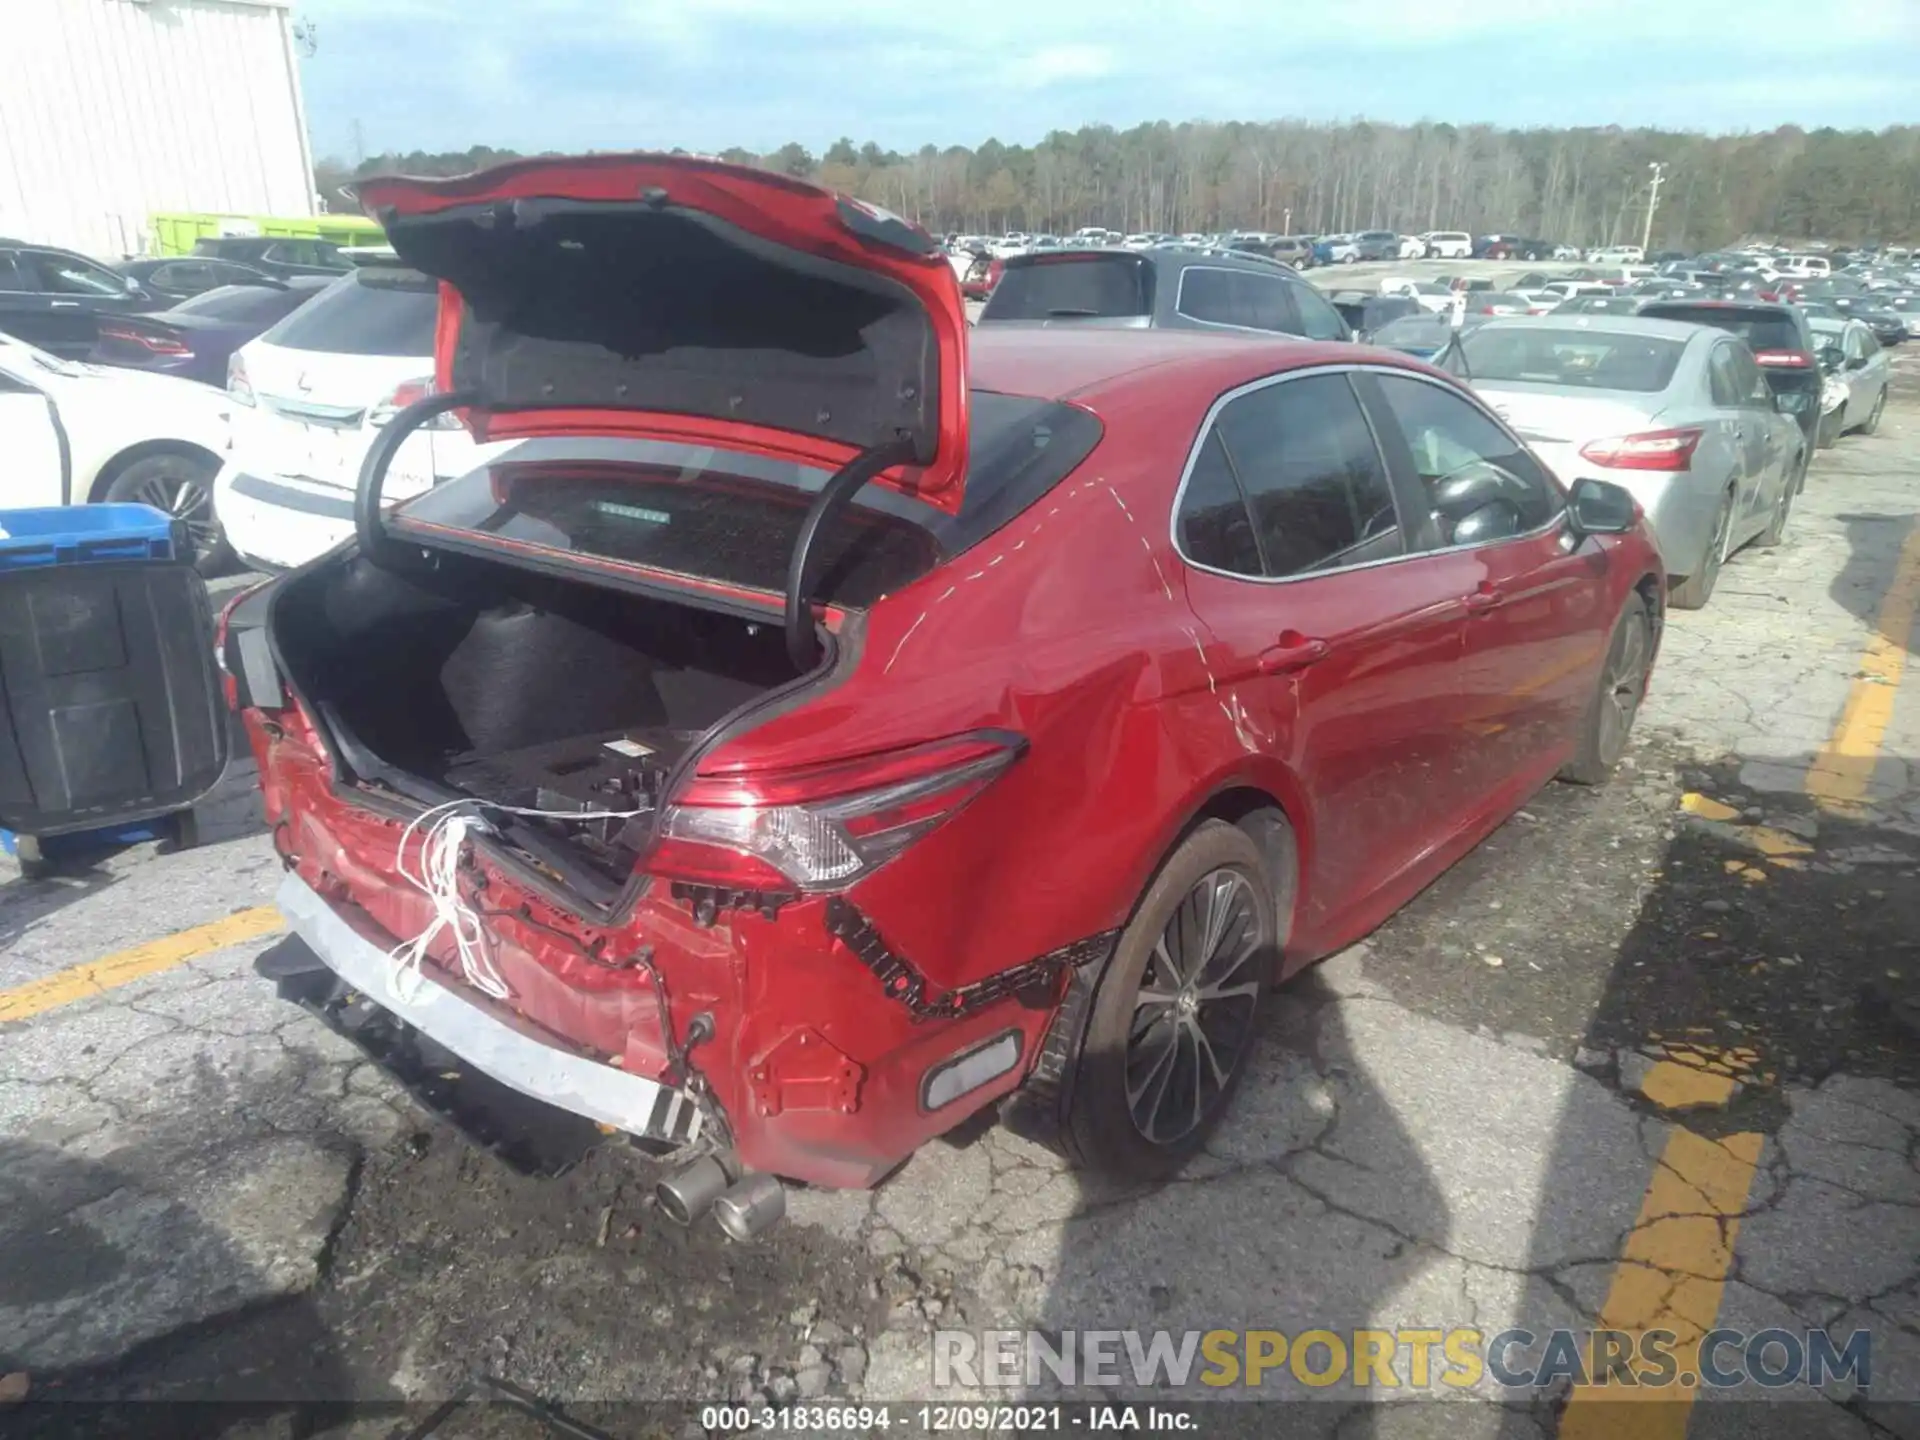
x,y
1599,507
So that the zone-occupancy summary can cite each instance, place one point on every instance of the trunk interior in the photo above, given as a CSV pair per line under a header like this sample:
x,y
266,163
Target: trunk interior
x,y
522,690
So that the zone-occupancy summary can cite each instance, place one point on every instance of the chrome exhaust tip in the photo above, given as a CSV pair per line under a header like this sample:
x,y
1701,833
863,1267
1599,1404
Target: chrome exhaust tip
x,y
689,1193
751,1207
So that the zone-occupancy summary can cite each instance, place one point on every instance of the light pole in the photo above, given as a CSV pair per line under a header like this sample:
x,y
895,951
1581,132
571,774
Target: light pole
x,y
1653,200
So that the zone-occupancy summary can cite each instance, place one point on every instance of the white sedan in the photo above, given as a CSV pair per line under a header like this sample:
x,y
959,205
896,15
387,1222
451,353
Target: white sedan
x,y
73,433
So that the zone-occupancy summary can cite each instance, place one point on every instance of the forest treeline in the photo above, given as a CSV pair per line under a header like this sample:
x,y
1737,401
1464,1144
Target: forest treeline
x,y
1587,186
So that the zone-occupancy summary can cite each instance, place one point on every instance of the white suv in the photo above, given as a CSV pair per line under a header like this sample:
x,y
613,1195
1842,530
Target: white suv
x,y
310,396
1448,244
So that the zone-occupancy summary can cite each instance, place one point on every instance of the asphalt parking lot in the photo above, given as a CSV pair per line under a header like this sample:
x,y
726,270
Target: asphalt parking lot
x,y
1650,1057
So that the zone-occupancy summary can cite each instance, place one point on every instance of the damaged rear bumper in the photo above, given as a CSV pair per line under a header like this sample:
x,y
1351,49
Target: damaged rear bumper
x,y
489,1043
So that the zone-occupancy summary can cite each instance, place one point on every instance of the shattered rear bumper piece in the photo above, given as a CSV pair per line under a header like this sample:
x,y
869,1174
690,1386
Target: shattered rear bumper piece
x,y
490,1044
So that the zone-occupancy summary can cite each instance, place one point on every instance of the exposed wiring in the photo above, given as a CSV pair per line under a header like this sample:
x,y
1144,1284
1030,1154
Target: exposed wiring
x,y
442,844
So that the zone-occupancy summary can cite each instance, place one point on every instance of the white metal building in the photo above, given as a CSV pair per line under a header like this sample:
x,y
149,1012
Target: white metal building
x,y
112,110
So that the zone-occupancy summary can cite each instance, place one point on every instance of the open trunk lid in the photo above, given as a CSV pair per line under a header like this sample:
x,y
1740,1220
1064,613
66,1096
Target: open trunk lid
x,y
674,298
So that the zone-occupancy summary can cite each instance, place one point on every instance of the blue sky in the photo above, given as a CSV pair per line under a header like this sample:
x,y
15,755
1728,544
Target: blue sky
x,y
708,74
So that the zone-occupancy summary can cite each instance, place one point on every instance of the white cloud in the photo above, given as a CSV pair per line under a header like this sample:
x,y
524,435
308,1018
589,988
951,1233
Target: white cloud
x,y
1055,63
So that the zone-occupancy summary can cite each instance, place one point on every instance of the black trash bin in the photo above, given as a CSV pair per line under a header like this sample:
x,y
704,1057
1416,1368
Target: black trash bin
x,y
111,713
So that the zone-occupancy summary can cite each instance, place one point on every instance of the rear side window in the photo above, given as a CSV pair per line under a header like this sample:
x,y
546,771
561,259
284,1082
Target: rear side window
x,y
1234,297
693,510
1216,529
1073,286
370,312
1301,454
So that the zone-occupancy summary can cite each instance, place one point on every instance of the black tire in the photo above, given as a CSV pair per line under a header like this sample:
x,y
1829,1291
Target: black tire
x,y
1616,697
1776,530
181,485
1693,592
1872,422
1120,1071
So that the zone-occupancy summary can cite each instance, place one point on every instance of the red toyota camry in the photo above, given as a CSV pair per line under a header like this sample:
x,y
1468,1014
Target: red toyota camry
x,y
819,724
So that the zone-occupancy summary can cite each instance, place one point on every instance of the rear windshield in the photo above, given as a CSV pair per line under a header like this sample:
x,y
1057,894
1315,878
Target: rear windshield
x,y
261,304
733,518
1053,287
1582,359
378,311
1416,331
1761,331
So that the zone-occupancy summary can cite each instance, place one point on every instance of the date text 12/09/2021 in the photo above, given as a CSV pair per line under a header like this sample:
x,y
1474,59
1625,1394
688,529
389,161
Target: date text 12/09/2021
x,y
948,1419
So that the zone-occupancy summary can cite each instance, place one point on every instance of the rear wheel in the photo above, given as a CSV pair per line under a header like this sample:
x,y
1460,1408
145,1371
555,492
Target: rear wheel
x,y
1694,592
1616,700
182,486
1173,1018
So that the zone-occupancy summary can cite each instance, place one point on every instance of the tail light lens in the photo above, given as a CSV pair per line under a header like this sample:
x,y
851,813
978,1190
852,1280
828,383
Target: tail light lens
x,y
821,827
239,388
1786,359
153,344
1649,450
405,394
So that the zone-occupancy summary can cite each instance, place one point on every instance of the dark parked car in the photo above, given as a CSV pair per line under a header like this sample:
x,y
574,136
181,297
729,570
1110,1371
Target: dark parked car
x,y
279,255
1366,313
1376,245
1780,339
1179,289
1053,698
195,338
180,277
1888,325
55,298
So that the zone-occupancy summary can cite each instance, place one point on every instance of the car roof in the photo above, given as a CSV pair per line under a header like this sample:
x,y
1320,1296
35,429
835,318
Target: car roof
x,y
1070,362
1732,307
1608,324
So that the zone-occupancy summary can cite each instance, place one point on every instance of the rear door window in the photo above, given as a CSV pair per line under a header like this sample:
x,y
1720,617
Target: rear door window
x,y
1760,330
1050,287
1316,490
70,275
370,312
1218,296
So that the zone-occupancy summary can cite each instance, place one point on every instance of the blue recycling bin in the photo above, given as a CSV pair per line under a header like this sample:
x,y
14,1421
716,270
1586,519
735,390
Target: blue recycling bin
x,y
112,722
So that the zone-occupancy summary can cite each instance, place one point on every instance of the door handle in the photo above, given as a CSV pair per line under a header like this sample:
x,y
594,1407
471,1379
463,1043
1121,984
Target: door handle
x,y
1486,598
1294,652
63,304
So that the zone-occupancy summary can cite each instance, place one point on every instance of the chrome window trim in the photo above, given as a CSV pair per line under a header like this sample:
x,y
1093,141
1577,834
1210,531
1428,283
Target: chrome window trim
x,y
1180,294
1556,522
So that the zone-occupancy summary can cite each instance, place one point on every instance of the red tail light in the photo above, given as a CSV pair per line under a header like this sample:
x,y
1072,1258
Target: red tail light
x,y
153,344
405,394
821,827
1649,450
1788,359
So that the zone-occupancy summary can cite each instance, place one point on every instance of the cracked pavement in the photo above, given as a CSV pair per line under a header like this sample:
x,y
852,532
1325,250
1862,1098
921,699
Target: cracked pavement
x,y
203,1193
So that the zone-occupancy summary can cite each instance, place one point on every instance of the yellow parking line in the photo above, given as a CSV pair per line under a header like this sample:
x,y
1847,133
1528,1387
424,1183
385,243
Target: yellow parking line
x,y
96,977
1674,1268
1844,768
1673,1271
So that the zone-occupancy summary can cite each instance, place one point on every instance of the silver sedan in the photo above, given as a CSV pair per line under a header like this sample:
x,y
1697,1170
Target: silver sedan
x,y
1680,415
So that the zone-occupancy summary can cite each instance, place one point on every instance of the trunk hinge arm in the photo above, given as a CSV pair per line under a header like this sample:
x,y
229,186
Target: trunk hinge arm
x,y
373,469
834,497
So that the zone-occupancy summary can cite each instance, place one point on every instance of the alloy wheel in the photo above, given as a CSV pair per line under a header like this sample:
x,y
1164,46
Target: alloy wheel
x,y
1622,689
185,500
1193,1014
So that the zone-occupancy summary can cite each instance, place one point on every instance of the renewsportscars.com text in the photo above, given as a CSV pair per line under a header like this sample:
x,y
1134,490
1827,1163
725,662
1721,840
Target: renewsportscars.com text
x,y
1412,1359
